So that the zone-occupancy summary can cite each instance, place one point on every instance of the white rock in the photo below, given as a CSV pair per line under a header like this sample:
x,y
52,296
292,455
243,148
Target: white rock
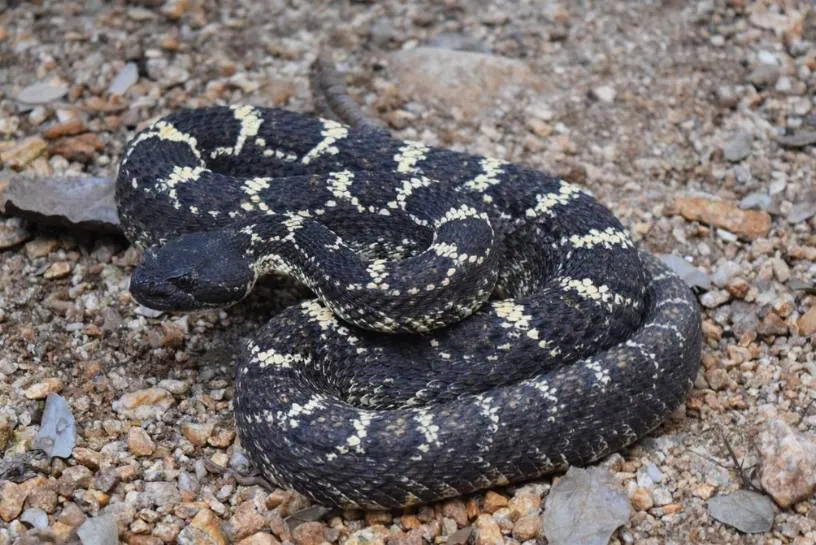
x,y
124,79
42,93
604,93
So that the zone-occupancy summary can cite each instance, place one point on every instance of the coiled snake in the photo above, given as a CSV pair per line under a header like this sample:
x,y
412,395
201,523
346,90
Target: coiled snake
x,y
475,322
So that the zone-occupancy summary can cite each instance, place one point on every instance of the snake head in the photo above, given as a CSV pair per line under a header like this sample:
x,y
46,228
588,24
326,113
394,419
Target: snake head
x,y
194,271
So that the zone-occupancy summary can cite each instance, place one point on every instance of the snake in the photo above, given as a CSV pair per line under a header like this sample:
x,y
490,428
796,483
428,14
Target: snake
x,y
472,322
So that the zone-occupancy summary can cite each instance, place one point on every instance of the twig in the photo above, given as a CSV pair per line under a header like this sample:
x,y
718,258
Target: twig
x,y
746,481
243,480
19,468
736,464
804,412
309,514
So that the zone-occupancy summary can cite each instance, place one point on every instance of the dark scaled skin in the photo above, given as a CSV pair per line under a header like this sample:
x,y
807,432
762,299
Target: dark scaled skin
x,y
476,322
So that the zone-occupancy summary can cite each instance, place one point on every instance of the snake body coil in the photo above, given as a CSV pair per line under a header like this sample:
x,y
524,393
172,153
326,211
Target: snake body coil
x,y
476,322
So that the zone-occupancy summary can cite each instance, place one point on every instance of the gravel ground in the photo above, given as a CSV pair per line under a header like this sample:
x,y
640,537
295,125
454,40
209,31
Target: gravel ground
x,y
673,113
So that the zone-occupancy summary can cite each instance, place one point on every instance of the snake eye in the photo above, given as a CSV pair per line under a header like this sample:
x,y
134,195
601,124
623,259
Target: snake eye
x,y
185,281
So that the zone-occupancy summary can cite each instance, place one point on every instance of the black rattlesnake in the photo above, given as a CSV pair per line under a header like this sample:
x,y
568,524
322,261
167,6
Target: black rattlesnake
x,y
579,343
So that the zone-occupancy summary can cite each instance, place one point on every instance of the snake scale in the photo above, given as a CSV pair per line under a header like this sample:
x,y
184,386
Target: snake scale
x,y
475,322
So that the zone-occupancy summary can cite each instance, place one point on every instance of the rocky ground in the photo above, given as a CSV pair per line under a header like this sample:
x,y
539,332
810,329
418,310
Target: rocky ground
x,y
694,121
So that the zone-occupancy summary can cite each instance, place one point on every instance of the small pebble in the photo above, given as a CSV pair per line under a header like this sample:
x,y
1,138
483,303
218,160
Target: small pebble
x,y
788,463
41,390
124,79
35,517
527,527
101,530
487,531
12,497
764,75
738,147
604,93
42,93
715,298
139,442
